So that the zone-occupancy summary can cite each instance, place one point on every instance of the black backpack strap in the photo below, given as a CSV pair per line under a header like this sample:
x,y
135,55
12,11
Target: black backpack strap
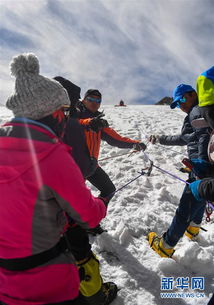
x,y
29,262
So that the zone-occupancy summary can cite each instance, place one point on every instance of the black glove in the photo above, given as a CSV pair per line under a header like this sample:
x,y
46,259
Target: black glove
x,y
96,231
105,200
154,139
98,123
139,146
78,242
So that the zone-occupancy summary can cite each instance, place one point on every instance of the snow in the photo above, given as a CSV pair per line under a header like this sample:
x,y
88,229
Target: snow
x,y
147,204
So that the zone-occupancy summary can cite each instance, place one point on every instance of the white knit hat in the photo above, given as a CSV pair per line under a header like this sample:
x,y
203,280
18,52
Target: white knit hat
x,y
35,95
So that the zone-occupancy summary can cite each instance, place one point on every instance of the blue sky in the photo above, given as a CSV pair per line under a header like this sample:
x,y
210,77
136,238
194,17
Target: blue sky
x,y
135,50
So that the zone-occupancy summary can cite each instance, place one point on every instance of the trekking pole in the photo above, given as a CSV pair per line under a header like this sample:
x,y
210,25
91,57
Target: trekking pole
x,y
142,173
122,187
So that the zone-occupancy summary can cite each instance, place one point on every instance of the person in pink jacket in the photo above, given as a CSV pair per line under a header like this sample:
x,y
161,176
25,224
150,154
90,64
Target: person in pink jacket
x,y
41,187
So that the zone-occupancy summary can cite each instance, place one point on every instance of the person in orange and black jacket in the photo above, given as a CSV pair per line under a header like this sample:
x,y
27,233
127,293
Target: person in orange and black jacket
x,y
73,134
93,290
97,129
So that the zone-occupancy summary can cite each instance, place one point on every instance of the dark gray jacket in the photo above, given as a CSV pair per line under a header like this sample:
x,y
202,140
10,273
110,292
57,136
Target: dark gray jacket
x,y
196,139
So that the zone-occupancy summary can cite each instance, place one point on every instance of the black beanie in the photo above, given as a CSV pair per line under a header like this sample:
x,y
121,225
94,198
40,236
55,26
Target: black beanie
x,y
72,89
94,92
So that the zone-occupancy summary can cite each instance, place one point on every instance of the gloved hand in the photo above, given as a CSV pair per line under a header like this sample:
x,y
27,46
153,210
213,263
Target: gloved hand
x,y
154,139
194,189
201,168
185,170
107,198
139,146
78,242
98,123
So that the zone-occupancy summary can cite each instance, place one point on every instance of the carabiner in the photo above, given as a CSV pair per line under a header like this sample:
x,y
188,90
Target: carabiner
x,y
208,212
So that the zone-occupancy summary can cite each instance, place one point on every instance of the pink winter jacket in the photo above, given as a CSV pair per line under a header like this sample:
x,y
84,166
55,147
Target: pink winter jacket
x,y
39,182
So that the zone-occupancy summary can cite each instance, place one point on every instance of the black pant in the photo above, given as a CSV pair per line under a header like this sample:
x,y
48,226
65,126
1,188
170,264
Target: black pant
x,y
102,182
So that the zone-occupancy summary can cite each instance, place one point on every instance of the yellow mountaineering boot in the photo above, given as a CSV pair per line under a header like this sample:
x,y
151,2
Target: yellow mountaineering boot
x,y
159,245
93,290
192,231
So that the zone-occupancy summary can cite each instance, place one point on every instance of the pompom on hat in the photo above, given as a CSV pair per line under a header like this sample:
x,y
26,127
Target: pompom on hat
x,y
35,96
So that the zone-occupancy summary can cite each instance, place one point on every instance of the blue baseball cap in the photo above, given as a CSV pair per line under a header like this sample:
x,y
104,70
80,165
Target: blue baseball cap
x,y
179,92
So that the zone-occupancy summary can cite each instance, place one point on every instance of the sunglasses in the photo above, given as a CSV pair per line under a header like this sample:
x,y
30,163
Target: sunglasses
x,y
93,99
182,100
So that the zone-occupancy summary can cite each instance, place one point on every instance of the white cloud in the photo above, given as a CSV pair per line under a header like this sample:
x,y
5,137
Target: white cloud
x,y
134,50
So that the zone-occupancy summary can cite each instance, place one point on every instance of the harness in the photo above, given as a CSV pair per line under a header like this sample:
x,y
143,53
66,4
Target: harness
x,y
32,261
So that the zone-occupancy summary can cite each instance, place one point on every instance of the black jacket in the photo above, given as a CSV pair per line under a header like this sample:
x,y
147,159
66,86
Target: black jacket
x,y
196,139
72,134
206,189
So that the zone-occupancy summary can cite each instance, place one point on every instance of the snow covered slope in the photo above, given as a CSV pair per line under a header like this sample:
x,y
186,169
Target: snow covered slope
x,y
148,204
